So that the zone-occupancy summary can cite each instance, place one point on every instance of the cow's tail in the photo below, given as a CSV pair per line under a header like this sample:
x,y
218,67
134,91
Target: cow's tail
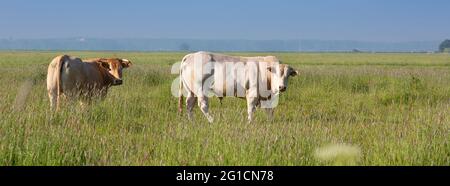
x,y
60,67
180,90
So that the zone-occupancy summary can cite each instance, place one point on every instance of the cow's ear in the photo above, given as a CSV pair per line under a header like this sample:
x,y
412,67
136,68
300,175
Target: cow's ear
x,y
293,73
103,63
126,63
270,69
106,65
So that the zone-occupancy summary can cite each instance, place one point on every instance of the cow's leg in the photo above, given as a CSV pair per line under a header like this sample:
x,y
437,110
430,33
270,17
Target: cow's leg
x,y
102,94
252,102
269,112
190,102
53,96
82,97
84,102
203,104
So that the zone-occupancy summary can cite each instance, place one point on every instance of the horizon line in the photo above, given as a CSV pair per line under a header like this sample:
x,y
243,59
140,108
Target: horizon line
x,y
220,39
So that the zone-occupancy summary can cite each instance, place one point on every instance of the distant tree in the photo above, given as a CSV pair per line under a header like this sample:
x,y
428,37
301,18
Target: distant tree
x,y
444,46
356,51
184,47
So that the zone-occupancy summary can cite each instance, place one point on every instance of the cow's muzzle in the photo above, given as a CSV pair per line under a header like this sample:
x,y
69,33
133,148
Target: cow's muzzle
x,y
282,88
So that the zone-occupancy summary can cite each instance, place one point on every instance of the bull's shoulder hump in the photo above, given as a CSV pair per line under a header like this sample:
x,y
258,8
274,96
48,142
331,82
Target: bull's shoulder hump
x,y
223,58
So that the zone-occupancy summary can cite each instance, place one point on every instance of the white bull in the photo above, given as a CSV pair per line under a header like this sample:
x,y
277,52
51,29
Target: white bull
x,y
257,79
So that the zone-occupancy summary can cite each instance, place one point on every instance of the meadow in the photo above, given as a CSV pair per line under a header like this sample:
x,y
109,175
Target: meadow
x,y
374,109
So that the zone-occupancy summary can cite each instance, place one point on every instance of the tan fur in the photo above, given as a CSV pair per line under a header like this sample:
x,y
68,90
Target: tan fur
x,y
75,78
55,67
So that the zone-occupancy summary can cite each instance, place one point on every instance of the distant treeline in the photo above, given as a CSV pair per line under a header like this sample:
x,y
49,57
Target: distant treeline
x,y
215,45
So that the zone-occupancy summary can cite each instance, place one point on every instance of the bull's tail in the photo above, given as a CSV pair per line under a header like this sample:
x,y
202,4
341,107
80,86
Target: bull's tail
x,y
180,90
180,98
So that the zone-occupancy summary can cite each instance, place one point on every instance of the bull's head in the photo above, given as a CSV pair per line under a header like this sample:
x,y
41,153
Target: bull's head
x,y
280,74
115,67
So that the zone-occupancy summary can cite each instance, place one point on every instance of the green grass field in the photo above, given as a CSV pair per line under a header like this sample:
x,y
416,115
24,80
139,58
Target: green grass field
x,y
377,109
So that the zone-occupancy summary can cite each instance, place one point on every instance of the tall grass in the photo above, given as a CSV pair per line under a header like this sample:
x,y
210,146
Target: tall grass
x,y
392,108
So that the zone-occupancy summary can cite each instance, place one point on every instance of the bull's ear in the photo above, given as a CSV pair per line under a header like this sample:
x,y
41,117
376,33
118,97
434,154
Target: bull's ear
x,y
126,63
294,73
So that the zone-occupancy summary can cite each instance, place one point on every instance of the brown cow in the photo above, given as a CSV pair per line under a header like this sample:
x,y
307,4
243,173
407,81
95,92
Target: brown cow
x,y
72,77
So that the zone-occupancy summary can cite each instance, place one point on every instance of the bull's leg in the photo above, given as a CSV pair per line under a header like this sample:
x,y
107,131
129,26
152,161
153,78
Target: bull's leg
x,y
252,102
190,102
269,112
203,104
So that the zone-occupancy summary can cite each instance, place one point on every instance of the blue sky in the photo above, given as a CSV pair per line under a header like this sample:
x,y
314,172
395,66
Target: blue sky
x,y
363,20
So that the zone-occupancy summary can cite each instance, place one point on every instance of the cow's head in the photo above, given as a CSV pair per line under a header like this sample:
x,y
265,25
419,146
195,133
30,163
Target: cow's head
x,y
280,75
115,67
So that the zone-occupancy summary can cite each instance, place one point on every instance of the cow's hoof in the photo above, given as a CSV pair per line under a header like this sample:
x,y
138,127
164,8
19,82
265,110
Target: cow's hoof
x,y
210,120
